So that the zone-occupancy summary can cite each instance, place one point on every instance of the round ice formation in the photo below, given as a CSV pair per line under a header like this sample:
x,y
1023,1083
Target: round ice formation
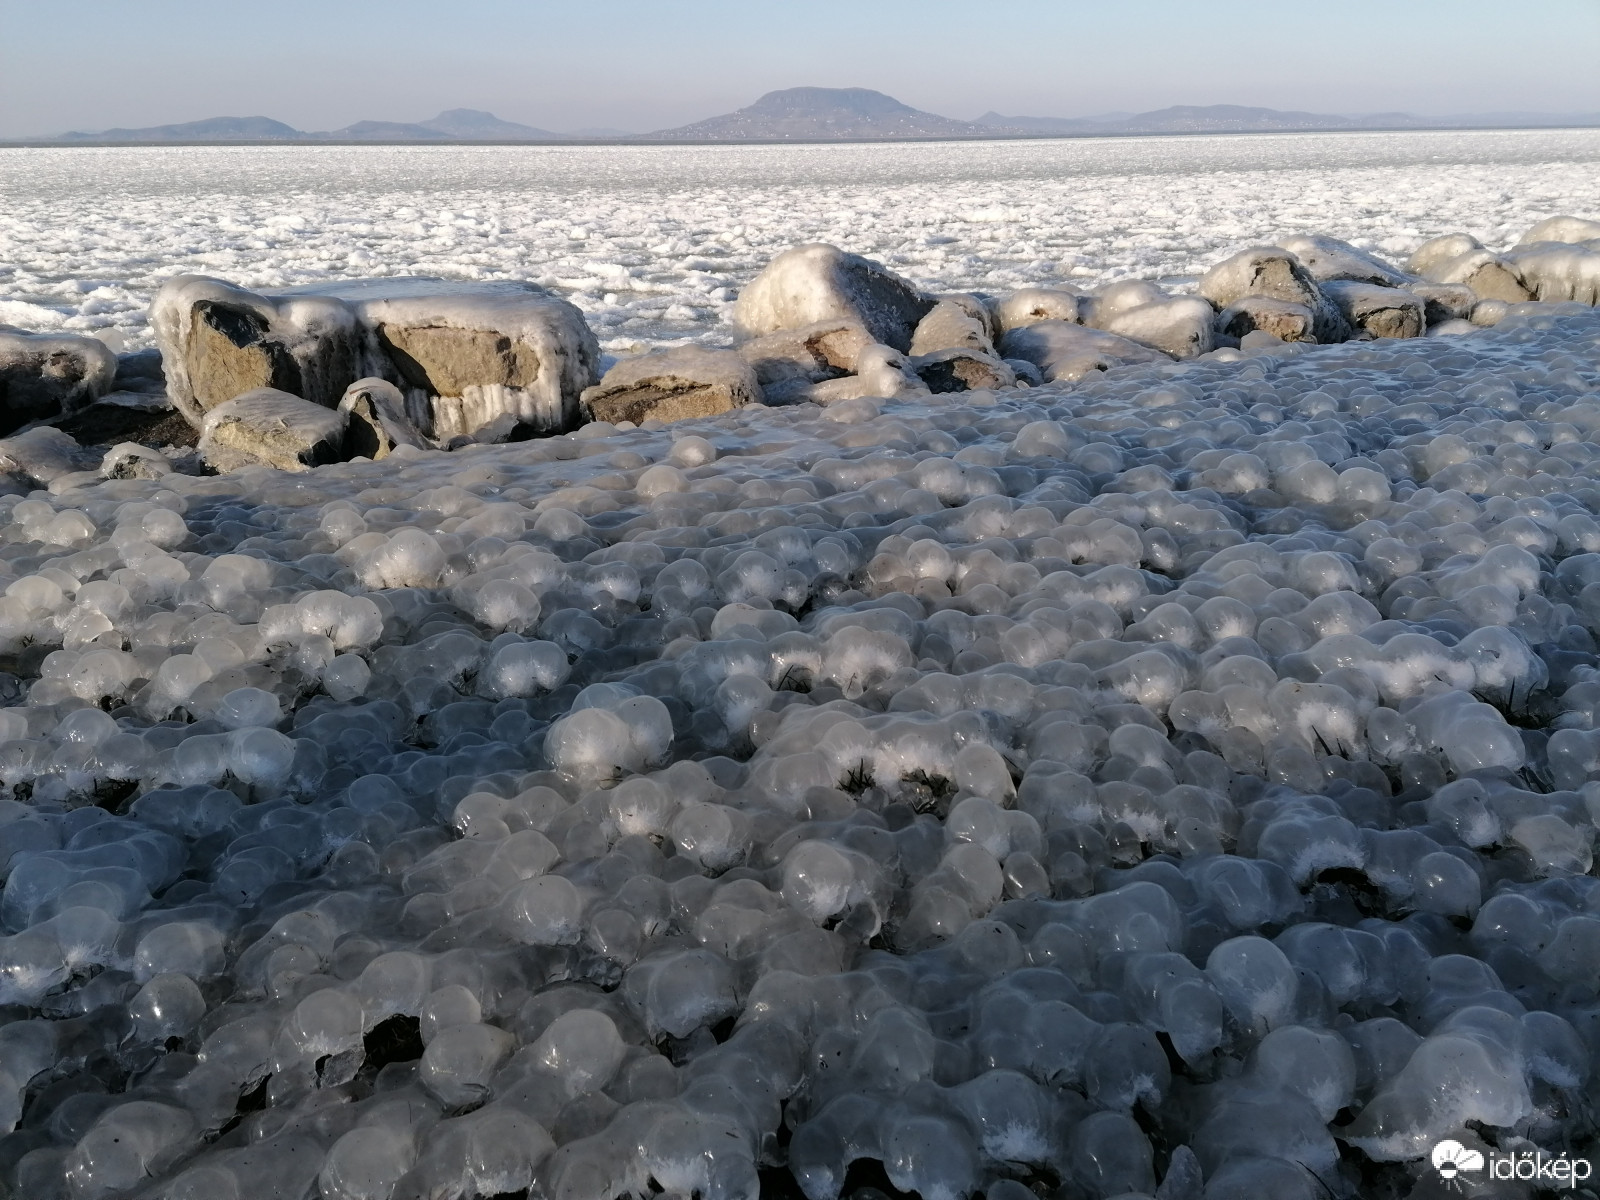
x,y
1185,780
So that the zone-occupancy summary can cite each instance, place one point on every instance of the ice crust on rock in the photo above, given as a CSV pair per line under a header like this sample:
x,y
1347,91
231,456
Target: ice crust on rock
x,y
1179,781
46,374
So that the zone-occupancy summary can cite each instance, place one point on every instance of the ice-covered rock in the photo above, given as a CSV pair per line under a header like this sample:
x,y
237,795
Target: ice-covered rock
x,y
809,354
43,375
672,385
1554,271
1329,258
1561,229
1282,319
219,341
376,421
881,372
808,284
961,370
468,353
44,454
951,325
465,353
1461,258
1029,306
1276,274
1066,353
1182,326
1382,312
129,460
1444,301
271,428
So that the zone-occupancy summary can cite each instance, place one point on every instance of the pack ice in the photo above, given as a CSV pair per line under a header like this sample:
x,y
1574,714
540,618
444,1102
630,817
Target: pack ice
x,y
1177,779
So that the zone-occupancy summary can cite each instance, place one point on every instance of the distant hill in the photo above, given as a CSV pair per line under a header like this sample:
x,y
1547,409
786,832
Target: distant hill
x,y
216,129
809,114
472,125
456,125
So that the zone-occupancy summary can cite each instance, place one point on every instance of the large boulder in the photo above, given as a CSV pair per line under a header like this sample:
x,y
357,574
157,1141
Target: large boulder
x,y
376,420
1286,321
1382,312
1277,274
1462,258
673,385
1327,258
1029,306
43,375
218,341
1065,352
1182,326
1558,271
266,427
468,353
1562,229
824,350
813,283
951,325
462,353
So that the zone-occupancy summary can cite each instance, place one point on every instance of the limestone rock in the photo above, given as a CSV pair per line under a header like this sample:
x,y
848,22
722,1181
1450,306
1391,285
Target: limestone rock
x,y
962,370
267,427
1380,311
882,372
673,385
1559,271
813,283
1066,352
1182,326
1327,258
1275,273
218,341
1444,301
1032,305
43,375
1561,229
1461,258
1261,314
376,420
950,325
129,460
824,350
465,353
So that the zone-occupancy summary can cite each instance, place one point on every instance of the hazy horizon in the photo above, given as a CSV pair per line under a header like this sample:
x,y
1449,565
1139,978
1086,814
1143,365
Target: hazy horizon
x,y
638,66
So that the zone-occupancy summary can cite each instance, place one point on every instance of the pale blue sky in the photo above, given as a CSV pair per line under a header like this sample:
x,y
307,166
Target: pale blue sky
x,y
648,64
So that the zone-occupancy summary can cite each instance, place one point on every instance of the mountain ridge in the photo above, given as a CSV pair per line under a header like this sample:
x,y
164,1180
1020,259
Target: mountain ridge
x,y
815,114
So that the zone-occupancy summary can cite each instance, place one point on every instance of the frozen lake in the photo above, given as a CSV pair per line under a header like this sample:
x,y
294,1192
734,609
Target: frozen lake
x,y
654,242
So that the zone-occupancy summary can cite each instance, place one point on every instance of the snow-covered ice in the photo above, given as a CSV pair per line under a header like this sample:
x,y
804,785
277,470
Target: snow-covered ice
x,y
653,243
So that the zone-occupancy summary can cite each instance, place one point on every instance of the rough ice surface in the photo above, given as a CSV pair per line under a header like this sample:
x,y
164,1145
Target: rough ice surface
x,y
653,243
1186,779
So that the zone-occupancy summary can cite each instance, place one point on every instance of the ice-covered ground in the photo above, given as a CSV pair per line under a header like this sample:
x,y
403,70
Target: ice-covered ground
x,y
653,242
1183,777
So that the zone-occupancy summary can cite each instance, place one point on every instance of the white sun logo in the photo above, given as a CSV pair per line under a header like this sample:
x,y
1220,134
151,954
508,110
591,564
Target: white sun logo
x,y
1450,1158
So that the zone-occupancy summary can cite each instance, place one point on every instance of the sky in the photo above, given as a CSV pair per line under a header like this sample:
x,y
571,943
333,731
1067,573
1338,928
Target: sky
x,y
641,65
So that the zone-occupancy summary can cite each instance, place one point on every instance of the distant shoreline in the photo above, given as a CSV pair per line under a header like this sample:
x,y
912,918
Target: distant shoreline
x,y
458,143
